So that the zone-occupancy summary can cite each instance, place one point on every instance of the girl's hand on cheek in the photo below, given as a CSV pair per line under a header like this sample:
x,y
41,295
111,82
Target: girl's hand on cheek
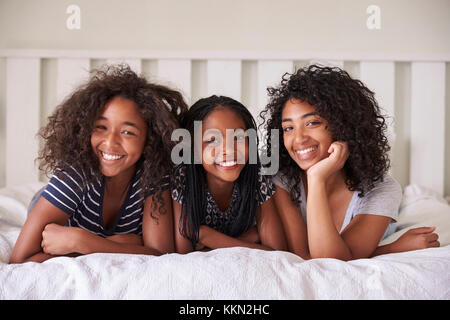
x,y
338,155
60,240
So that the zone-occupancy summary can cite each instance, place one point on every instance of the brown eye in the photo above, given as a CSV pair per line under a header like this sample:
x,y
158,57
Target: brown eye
x,y
128,133
211,140
313,123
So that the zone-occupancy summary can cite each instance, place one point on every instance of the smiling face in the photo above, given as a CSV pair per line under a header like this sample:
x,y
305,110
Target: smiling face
x,y
224,156
305,133
118,137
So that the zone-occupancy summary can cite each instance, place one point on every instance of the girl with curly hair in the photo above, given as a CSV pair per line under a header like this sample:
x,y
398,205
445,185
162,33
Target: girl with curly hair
x,y
334,194
222,199
108,146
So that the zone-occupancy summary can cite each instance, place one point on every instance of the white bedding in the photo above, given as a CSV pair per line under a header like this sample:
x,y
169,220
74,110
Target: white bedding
x,y
235,273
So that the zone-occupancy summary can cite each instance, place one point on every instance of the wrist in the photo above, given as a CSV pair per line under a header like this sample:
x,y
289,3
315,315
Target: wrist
x,y
313,179
202,233
79,239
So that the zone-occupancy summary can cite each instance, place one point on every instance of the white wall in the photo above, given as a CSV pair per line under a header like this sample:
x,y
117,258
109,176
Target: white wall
x,y
412,26
415,29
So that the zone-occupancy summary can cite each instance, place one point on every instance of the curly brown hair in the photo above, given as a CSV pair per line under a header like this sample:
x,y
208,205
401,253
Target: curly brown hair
x,y
67,135
352,114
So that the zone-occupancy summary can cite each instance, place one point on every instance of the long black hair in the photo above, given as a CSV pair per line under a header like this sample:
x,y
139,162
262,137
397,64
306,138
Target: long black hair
x,y
195,184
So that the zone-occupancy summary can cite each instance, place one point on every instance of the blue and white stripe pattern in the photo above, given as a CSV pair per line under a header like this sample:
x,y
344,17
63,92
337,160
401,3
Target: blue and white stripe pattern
x,y
84,206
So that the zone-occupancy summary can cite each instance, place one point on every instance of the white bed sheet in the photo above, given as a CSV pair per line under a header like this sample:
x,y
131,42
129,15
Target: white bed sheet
x,y
234,273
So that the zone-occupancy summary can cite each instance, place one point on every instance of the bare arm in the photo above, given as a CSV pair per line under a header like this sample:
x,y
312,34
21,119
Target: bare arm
x,y
293,224
251,235
359,239
182,245
413,239
270,227
58,240
323,238
28,244
157,236
214,239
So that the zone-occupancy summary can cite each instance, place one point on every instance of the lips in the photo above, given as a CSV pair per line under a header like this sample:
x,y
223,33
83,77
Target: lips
x,y
306,153
111,156
227,165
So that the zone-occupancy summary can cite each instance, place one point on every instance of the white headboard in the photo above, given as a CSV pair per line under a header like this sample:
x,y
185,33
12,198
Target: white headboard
x,y
413,90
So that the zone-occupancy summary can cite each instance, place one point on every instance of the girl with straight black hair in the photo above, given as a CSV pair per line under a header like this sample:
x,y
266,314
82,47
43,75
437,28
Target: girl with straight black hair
x,y
224,200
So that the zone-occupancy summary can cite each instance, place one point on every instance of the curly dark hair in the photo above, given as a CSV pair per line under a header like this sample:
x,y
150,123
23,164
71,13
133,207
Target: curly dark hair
x,y
353,116
67,135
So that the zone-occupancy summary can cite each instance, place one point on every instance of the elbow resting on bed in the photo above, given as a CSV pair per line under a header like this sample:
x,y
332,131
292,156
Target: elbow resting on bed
x,y
344,256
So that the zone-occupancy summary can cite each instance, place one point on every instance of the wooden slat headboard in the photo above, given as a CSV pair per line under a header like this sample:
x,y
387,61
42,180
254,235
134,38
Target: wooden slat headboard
x,y
413,90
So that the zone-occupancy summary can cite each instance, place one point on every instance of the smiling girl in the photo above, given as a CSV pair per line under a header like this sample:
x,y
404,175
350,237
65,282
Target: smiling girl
x,y
223,201
334,195
108,146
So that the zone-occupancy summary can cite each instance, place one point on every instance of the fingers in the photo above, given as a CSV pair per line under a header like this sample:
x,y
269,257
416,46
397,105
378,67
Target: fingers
x,y
44,239
339,147
423,237
433,240
422,230
432,237
434,244
339,150
45,233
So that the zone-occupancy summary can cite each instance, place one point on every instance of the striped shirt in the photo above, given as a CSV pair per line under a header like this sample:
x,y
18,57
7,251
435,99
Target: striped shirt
x,y
84,205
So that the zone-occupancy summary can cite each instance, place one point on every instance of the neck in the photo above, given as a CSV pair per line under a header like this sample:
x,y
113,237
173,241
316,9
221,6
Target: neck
x,y
220,190
119,184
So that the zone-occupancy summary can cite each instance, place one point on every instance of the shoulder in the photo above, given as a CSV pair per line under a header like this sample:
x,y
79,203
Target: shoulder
x,y
383,199
138,184
282,180
65,189
71,173
69,178
386,187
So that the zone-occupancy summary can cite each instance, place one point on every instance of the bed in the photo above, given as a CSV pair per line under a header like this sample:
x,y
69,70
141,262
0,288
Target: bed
x,y
403,84
233,273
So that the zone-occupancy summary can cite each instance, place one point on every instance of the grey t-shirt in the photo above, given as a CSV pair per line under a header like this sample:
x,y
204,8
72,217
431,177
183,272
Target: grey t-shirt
x,y
383,199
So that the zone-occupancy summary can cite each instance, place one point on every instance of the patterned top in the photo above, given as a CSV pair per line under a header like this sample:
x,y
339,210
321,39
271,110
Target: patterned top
x,y
84,205
216,218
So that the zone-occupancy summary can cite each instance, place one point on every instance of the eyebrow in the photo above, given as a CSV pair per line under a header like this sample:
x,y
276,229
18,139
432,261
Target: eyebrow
x,y
214,130
309,114
128,123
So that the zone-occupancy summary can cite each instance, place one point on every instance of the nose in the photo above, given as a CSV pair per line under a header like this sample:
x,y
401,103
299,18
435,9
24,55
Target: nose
x,y
301,136
228,149
111,138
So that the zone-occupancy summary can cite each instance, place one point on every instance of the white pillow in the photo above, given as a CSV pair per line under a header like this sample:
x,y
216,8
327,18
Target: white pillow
x,y
422,207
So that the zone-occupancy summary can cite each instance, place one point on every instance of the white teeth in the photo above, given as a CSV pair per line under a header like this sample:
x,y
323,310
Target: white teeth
x,y
304,151
227,164
111,156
